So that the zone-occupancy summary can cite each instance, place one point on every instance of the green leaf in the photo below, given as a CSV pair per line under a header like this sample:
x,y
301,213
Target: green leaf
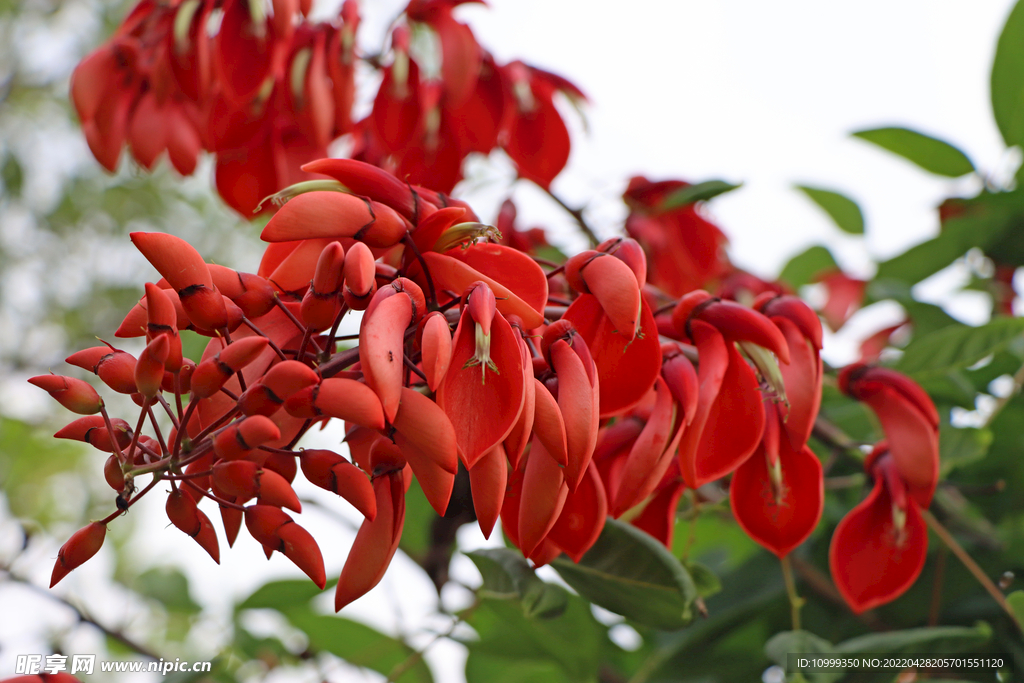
x,y
937,639
984,221
169,587
803,268
12,176
281,595
957,347
781,645
704,579
1016,602
508,576
701,192
959,447
358,644
1008,78
931,154
630,573
572,641
487,668
840,208
506,573
193,345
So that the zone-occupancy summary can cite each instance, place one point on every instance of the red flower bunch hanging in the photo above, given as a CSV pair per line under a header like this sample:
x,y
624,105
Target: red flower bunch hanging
x,y
267,90
607,384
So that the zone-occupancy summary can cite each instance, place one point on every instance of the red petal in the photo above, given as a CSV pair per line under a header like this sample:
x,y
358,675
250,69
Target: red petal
x,y
509,267
869,566
802,377
734,424
626,369
659,516
582,517
538,141
488,478
375,543
648,459
778,524
543,495
483,405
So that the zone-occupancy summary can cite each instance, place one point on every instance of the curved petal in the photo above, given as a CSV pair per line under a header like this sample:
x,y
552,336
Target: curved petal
x,y
872,562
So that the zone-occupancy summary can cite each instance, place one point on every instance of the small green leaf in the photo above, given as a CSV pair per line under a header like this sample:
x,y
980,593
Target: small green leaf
x,y
803,268
505,572
704,579
281,595
628,572
12,176
508,576
701,192
957,347
169,587
937,639
1007,80
781,645
840,208
545,601
358,644
1016,602
931,154
985,220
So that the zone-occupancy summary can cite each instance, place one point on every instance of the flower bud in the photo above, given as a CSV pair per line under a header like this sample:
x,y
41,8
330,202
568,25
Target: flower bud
x,y
82,545
74,394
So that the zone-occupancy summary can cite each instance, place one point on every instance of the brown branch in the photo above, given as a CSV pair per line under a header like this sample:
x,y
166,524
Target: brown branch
x,y
85,618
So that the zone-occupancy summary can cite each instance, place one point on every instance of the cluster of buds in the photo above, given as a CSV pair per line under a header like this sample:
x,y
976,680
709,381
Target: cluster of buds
x,y
611,398
269,89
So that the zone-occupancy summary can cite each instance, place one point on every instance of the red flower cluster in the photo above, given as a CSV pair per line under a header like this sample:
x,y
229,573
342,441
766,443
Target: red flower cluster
x,y
601,416
269,90
606,385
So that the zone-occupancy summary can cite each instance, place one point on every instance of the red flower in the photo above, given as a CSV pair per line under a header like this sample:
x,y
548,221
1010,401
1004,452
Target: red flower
x,y
685,251
879,548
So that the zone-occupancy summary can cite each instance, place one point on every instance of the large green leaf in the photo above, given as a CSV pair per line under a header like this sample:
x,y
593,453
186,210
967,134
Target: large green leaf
x,y
805,266
931,154
934,640
1008,79
696,193
840,208
358,644
630,573
957,347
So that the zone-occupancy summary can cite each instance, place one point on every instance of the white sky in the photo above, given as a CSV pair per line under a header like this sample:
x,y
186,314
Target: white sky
x,y
743,90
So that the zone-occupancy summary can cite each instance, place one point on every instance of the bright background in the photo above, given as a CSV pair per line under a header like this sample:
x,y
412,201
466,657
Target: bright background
x,y
742,90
